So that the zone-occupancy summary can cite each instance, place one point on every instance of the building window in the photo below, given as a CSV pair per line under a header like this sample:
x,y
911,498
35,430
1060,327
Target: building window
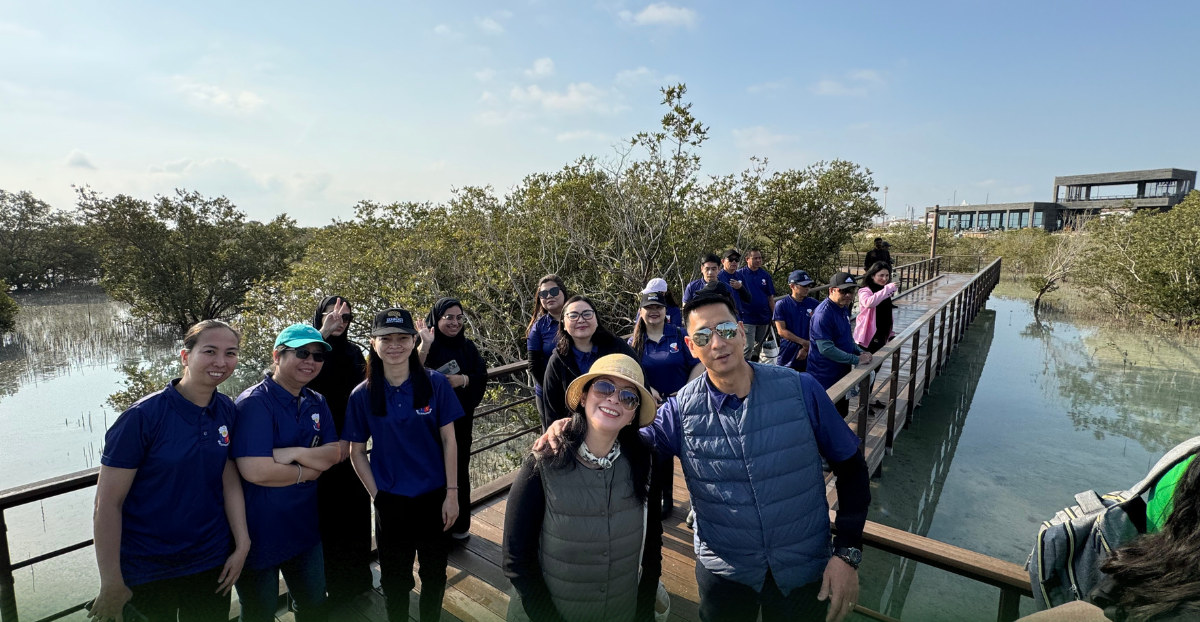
x,y
1037,220
1024,219
941,221
1014,220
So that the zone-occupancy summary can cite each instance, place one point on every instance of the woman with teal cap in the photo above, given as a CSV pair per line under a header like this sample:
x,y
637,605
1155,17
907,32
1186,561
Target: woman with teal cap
x,y
284,438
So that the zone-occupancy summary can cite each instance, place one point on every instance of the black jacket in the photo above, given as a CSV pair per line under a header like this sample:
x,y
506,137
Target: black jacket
x,y
343,370
462,350
561,370
878,254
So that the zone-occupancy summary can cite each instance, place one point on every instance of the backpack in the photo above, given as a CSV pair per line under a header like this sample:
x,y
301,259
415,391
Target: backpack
x,y
1065,562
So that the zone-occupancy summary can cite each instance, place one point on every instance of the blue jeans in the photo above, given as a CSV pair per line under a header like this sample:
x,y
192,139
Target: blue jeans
x,y
258,590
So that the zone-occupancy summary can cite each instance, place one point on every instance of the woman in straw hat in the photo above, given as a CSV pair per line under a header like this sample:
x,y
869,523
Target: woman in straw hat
x,y
578,526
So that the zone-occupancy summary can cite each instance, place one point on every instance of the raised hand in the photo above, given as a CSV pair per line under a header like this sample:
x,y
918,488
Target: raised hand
x,y
425,333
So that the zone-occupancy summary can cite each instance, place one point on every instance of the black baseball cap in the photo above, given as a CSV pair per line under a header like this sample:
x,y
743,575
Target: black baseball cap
x,y
391,321
842,280
731,254
652,298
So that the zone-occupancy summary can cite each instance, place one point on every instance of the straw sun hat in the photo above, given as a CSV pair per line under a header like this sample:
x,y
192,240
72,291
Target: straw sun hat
x,y
618,366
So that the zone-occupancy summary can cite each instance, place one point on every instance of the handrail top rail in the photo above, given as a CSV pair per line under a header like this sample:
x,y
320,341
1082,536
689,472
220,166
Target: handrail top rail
x,y
857,373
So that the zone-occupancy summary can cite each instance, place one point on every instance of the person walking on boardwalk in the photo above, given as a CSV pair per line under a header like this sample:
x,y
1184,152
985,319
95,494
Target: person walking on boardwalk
x,y
446,349
582,519
873,326
877,254
710,268
751,439
170,520
581,340
756,315
668,365
408,412
835,352
343,505
542,334
792,317
659,286
283,439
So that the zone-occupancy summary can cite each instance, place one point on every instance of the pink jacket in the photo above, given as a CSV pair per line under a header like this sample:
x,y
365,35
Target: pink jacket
x,y
864,324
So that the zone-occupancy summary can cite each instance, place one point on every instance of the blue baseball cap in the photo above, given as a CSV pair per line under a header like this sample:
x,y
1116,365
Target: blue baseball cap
x,y
800,277
300,335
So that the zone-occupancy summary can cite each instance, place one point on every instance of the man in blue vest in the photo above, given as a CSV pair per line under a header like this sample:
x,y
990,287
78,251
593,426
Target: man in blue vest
x,y
753,469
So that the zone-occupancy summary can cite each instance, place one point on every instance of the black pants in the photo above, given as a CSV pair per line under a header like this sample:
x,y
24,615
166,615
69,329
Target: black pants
x,y
194,597
664,474
344,509
408,528
843,407
723,600
800,365
463,429
878,341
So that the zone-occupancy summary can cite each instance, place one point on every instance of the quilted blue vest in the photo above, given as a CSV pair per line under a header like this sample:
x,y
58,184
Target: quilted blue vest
x,y
754,475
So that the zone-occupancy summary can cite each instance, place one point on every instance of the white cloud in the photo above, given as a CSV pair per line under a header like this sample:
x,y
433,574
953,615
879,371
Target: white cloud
x,y
767,86
225,177
506,14
661,14
443,30
489,26
759,138
583,135
633,76
79,159
857,83
487,97
541,68
579,97
483,75
211,96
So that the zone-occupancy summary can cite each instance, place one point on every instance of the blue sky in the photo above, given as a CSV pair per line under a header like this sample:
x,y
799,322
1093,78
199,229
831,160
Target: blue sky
x,y
309,107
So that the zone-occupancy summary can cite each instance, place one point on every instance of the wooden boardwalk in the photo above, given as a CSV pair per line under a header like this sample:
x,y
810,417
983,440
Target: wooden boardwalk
x,y
477,588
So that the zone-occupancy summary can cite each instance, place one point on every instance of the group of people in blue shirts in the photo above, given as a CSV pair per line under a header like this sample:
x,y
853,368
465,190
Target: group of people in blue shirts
x,y
199,493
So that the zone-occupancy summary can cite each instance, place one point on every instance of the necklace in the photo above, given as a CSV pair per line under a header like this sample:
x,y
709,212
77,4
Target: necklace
x,y
607,461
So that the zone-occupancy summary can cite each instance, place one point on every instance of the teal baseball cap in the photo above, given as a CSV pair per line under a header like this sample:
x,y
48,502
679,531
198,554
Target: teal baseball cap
x,y
299,335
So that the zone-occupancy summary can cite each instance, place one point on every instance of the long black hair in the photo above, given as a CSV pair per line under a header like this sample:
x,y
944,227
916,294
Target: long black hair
x,y
377,383
638,340
633,447
1158,574
868,279
602,336
538,310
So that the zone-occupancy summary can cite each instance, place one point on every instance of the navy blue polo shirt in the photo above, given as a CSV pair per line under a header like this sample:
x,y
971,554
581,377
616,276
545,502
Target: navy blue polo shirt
x,y
584,360
832,322
796,316
173,521
282,519
667,362
406,456
761,288
835,440
674,316
724,277
543,336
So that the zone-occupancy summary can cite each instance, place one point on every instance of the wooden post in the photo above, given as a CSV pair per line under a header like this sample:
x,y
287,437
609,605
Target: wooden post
x,y
1010,605
953,319
913,361
933,244
864,409
928,358
941,341
8,594
893,391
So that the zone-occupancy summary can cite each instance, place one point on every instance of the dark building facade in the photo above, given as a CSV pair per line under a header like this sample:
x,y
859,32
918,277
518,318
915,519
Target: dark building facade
x,y
1074,196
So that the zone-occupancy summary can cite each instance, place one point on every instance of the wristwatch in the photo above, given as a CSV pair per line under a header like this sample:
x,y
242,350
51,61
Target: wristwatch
x,y
850,555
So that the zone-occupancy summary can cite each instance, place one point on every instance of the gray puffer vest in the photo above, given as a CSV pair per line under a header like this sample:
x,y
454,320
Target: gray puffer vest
x,y
754,474
591,544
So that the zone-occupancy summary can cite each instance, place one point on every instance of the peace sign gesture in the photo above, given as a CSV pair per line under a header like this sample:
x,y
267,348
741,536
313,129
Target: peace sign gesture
x,y
335,319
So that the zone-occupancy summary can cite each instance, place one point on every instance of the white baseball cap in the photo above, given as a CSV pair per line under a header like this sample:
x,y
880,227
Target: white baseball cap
x,y
655,285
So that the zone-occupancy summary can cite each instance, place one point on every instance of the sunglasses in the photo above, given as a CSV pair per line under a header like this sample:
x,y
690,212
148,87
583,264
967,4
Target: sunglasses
x,y
577,315
550,293
629,399
727,330
304,353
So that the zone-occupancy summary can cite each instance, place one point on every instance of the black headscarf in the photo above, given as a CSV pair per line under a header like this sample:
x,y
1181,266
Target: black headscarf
x,y
343,369
457,348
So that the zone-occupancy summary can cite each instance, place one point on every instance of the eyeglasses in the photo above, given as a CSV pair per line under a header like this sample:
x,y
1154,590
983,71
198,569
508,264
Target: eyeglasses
x,y
461,317
629,399
580,315
304,353
727,330
550,293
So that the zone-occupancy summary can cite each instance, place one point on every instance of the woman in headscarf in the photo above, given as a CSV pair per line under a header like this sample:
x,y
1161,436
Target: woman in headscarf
x,y
446,349
873,326
343,504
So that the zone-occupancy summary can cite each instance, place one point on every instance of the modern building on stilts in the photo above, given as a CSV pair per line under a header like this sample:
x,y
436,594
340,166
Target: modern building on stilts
x,y
1074,196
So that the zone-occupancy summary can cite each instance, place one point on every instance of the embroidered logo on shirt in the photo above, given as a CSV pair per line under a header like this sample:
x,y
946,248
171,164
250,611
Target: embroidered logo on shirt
x,y
224,440
810,312
674,346
764,281
425,411
316,417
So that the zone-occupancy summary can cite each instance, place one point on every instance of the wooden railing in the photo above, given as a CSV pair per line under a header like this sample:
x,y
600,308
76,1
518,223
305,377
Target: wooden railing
x,y
948,322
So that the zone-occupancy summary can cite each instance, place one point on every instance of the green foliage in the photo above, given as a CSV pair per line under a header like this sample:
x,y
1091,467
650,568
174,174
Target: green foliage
x,y
8,310
178,260
1148,263
41,247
